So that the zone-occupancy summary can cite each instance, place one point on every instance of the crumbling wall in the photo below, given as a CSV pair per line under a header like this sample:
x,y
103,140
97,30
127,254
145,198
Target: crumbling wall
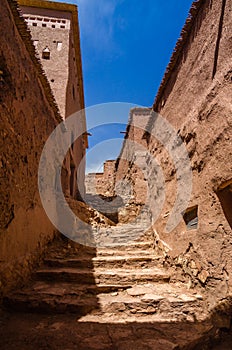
x,y
195,97
130,175
102,183
54,27
27,118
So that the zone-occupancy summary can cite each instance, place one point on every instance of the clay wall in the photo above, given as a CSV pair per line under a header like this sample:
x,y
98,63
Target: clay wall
x,y
130,176
27,119
195,97
52,27
102,183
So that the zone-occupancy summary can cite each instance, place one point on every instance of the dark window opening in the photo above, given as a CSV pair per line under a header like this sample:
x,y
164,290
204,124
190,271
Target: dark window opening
x,y
52,80
62,27
190,217
34,24
73,92
225,198
46,53
44,25
72,140
53,26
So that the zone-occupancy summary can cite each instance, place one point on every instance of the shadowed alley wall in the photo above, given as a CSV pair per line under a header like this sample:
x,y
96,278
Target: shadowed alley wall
x,y
195,97
28,116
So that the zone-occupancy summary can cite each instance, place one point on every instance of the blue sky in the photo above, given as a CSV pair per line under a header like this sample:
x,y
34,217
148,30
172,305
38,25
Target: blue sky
x,y
126,46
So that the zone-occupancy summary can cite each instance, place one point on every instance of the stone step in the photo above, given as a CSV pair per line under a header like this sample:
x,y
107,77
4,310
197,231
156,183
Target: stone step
x,y
50,297
115,276
182,306
106,261
118,239
115,252
128,247
129,302
41,303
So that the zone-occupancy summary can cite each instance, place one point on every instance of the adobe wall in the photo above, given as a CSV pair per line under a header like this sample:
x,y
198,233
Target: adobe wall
x,y
76,157
49,37
90,183
27,119
54,29
130,175
196,99
102,183
106,185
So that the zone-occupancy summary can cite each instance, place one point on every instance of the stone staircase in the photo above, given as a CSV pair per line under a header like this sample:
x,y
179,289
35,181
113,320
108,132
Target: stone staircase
x,y
124,285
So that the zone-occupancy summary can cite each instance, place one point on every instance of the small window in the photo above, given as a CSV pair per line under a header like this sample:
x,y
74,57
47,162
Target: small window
x,y
62,27
72,140
53,26
63,21
73,92
35,42
191,218
46,19
59,45
46,53
34,24
44,25
225,197
52,80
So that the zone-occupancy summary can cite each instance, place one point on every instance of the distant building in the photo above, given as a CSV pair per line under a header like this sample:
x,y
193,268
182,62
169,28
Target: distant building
x,y
55,33
102,183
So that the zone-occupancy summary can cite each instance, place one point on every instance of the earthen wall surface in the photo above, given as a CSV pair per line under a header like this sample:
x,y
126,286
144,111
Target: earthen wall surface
x,y
130,175
102,183
27,119
196,99
53,29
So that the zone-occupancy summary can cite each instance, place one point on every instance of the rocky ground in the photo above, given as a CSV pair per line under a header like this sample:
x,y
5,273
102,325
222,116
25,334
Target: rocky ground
x,y
118,298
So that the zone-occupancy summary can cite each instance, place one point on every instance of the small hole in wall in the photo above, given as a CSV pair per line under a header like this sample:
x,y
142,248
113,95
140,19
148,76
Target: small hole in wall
x,y
46,53
52,80
59,45
225,197
190,217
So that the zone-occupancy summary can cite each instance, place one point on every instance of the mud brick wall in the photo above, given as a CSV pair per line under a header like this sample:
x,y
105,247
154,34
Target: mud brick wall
x,y
27,119
195,97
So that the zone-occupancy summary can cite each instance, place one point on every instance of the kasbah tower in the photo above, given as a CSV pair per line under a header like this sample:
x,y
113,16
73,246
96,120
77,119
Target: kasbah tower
x,y
55,33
